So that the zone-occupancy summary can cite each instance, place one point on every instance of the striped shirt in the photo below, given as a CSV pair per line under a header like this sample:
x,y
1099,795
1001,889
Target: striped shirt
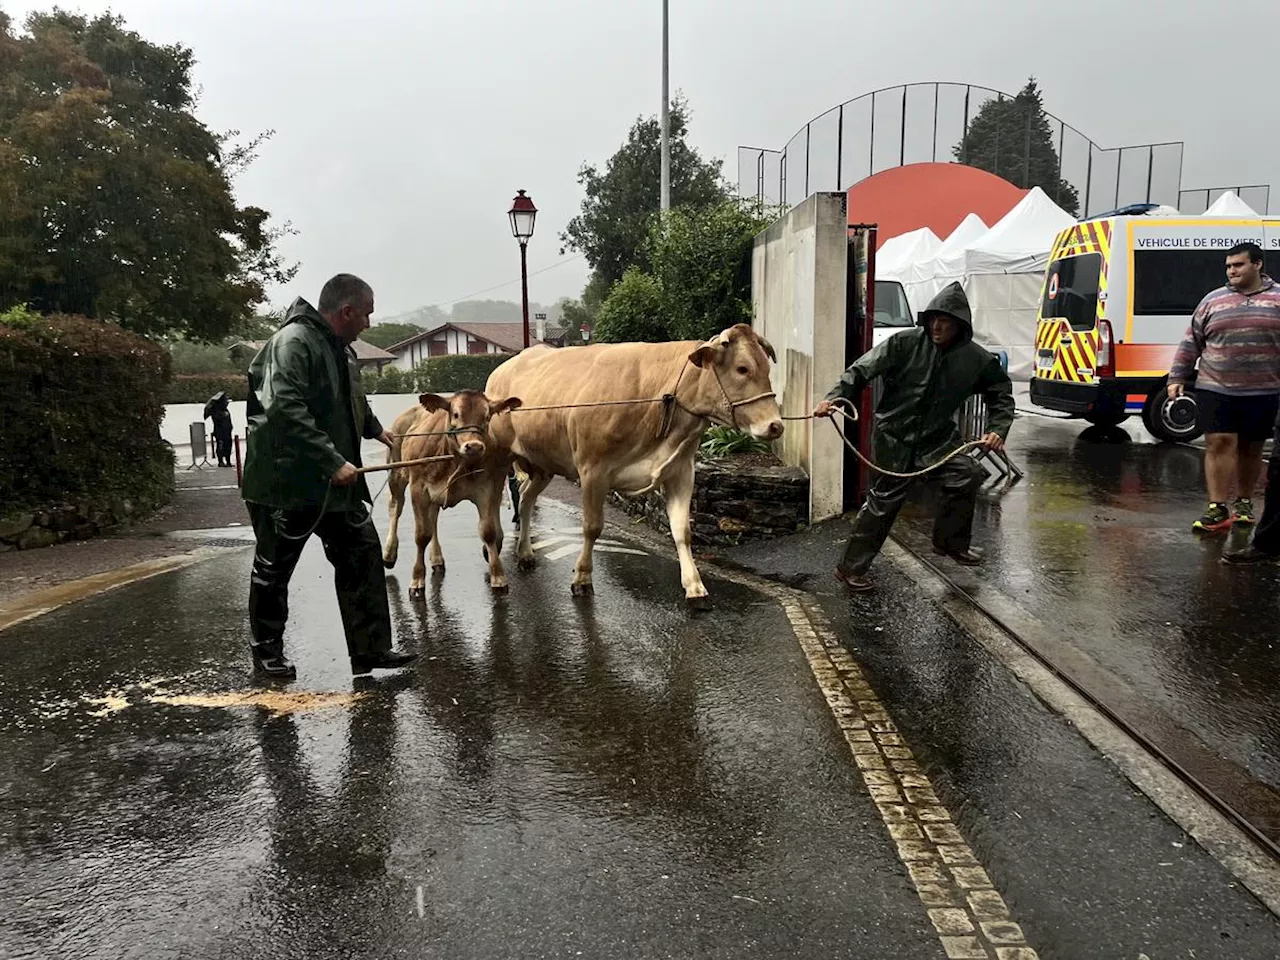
x,y
1237,340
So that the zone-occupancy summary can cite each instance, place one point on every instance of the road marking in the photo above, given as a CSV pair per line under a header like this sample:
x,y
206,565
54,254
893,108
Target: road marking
x,y
46,601
567,546
1224,841
968,913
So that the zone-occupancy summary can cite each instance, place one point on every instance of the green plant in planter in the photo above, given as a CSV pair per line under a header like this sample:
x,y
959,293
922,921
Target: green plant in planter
x,y
725,441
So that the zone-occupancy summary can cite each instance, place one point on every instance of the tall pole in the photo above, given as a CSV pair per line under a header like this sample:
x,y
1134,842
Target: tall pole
x,y
524,287
666,115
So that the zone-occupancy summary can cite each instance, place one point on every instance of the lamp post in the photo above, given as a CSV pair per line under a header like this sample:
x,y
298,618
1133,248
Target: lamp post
x,y
523,214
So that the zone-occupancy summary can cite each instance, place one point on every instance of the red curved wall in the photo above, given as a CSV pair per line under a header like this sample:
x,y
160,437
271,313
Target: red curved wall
x,y
933,195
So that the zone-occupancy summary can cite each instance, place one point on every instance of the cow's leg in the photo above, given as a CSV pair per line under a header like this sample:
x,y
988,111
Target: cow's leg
x,y
525,559
490,509
594,491
433,531
422,536
677,487
399,480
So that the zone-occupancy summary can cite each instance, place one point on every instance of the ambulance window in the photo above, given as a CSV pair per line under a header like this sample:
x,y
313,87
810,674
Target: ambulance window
x,y
1173,282
1071,290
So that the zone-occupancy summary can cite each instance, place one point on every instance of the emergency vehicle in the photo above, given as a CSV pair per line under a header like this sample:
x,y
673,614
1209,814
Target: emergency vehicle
x,y
1118,295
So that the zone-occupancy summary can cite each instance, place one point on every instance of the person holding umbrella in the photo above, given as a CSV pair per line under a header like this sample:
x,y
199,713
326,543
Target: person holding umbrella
x,y
219,410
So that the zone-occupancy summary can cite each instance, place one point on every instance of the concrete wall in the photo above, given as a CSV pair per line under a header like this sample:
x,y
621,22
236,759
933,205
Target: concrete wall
x,y
798,292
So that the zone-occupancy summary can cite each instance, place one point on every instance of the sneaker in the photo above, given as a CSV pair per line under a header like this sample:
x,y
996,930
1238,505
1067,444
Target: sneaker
x,y
1217,517
1242,511
853,582
1249,554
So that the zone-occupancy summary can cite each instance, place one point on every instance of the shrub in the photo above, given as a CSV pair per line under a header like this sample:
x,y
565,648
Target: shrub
x,y
80,408
724,441
634,311
197,388
437,374
457,372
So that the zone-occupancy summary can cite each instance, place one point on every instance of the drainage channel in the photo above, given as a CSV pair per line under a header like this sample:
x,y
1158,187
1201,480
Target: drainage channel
x,y
1248,804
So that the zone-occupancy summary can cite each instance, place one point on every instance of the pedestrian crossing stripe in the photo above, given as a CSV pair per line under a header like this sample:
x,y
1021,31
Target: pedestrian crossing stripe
x,y
559,547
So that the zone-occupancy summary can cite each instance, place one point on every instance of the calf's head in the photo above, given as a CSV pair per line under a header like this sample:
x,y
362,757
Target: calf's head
x,y
469,413
739,388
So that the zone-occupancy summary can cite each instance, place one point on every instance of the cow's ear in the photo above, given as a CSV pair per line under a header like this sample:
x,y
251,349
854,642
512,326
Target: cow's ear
x,y
504,406
433,402
705,354
767,347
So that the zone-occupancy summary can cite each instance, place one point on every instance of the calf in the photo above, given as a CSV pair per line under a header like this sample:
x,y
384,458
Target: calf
x,y
476,470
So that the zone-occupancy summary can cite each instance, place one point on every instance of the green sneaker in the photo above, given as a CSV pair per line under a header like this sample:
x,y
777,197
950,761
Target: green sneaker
x,y
1217,517
1242,511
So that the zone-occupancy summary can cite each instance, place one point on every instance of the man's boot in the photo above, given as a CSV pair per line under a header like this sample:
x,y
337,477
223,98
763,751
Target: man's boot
x,y
386,660
271,663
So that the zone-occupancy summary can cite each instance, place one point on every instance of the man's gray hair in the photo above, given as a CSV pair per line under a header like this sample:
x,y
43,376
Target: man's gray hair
x,y
343,289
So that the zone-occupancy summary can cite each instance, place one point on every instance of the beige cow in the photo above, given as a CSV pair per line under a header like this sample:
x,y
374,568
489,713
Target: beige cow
x,y
633,447
462,428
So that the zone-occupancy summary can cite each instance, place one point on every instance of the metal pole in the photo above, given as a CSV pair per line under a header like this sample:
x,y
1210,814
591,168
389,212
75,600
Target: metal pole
x,y
524,287
840,149
666,128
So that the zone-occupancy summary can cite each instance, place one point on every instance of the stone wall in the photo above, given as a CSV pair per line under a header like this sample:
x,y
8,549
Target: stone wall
x,y
735,502
43,528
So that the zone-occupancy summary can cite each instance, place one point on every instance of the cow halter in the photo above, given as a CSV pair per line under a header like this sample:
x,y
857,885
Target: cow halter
x,y
670,402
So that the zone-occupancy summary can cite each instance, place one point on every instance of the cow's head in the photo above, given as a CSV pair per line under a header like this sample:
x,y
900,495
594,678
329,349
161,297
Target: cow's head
x,y
740,388
469,413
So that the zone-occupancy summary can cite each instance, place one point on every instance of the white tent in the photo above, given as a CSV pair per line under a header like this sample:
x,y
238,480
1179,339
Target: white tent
x,y
909,247
1230,205
1002,271
969,230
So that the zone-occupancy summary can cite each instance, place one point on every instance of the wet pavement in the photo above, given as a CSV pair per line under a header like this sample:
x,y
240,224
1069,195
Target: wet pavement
x,y
560,778
1092,554
592,778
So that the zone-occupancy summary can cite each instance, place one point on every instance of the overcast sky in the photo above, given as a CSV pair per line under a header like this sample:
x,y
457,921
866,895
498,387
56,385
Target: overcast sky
x,y
403,129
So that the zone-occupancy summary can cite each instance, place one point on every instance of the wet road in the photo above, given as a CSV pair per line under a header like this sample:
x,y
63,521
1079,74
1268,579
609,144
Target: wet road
x,y
561,778
1093,554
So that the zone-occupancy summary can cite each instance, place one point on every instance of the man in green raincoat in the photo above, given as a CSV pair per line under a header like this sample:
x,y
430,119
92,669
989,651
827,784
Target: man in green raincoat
x,y
307,415
928,374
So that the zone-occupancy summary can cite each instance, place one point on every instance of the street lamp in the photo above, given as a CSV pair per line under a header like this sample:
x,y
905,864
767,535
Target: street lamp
x,y
523,214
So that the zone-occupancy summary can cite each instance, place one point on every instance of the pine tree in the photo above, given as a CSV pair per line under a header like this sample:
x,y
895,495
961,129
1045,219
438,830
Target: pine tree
x,y
1013,140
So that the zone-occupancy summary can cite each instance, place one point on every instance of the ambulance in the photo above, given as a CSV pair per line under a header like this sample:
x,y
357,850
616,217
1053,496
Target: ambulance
x,y
1118,295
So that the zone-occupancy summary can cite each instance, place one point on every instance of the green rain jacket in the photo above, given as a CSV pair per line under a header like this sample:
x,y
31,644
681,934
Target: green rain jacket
x,y
307,413
924,387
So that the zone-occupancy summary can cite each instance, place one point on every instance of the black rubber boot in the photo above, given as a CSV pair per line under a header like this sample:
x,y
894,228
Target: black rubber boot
x,y
273,665
388,660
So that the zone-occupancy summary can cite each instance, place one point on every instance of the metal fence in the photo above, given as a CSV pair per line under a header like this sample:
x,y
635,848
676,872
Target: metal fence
x,y
1195,202
931,122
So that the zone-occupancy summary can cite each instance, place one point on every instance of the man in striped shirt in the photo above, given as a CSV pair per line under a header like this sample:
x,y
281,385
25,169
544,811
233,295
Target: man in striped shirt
x,y
1235,334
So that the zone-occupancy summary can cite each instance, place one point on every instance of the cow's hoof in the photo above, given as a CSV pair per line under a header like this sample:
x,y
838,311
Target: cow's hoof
x,y
418,593
582,590
526,563
698,604
388,563
501,590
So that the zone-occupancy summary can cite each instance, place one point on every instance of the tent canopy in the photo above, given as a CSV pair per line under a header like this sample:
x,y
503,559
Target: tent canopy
x,y
968,230
909,247
1230,205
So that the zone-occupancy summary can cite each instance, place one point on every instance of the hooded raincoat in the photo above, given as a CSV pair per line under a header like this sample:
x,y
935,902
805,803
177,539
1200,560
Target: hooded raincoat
x,y
307,413
925,386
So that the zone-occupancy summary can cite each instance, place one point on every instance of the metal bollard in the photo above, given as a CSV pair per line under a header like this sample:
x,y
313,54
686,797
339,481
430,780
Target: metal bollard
x,y
239,473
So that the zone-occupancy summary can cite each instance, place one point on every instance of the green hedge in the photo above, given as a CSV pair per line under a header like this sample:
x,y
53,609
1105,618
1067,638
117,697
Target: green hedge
x,y
199,387
437,374
80,411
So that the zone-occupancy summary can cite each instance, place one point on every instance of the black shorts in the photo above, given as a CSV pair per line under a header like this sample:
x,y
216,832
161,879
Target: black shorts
x,y
1251,418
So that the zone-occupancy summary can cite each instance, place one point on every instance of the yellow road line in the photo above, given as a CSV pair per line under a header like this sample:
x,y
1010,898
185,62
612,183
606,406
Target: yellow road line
x,y
50,599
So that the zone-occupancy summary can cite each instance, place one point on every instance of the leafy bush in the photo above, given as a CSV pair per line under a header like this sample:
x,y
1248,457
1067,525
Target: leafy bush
x,y
436,374
197,388
725,441
189,358
80,412
635,311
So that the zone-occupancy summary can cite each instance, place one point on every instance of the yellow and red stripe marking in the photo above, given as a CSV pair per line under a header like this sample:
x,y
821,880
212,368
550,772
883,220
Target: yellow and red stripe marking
x,y
1076,351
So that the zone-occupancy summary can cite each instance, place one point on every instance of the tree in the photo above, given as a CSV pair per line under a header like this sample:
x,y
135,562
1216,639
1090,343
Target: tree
x,y
1013,140
634,311
115,201
622,201
385,334
699,282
